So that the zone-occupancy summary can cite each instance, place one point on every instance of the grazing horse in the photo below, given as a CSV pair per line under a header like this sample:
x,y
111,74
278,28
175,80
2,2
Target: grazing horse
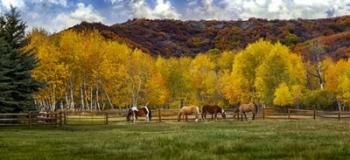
x,y
244,108
134,113
188,110
213,110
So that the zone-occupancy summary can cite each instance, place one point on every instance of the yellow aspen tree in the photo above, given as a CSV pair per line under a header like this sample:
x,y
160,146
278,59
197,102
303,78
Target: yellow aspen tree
x,y
49,70
282,95
343,88
280,65
204,77
245,66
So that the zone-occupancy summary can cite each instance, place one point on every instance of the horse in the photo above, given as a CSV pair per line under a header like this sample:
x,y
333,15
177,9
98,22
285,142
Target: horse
x,y
213,110
134,113
244,108
188,110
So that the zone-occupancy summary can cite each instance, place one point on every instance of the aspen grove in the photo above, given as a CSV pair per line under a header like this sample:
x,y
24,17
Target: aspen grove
x,y
84,71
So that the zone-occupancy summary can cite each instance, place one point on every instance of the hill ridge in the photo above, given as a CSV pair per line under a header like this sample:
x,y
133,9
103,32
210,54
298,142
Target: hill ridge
x,y
174,38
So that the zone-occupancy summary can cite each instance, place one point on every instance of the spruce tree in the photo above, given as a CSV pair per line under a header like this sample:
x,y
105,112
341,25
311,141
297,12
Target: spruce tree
x,y
16,83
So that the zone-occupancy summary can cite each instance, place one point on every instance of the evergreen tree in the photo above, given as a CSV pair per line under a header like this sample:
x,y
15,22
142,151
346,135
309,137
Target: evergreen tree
x,y
16,83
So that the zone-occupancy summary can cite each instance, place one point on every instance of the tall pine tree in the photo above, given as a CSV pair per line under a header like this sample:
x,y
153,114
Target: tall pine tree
x,y
16,83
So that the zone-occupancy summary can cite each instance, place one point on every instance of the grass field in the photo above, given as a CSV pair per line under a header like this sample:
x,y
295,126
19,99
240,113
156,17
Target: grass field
x,y
262,139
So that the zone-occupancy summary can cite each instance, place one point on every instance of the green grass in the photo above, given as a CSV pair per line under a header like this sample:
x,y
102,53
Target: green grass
x,y
268,139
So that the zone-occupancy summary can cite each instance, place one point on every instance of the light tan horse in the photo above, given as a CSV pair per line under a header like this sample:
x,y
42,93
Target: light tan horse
x,y
244,108
188,110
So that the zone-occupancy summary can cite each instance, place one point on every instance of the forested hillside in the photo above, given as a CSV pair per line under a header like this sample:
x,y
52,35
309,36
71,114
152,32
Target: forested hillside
x,y
170,38
87,71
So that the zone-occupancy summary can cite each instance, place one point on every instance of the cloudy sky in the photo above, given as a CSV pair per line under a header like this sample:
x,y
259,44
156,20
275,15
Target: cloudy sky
x,y
55,15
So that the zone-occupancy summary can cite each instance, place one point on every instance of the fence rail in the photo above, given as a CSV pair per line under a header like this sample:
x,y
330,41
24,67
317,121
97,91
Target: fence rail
x,y
158,115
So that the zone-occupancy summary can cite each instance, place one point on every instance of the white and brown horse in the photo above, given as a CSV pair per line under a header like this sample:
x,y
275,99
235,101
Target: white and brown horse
x,y
188,110
242,109
213,110
134,113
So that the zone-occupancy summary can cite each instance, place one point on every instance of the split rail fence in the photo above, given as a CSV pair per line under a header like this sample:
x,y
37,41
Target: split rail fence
x,y
158,115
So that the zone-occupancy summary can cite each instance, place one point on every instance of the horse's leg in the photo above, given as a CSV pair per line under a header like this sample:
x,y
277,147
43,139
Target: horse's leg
x,y
133,117
186,117
245,116
216,116
253,115
146,117
179,117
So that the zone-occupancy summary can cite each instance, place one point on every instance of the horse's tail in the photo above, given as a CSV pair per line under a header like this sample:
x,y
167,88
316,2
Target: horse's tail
x,y
256,108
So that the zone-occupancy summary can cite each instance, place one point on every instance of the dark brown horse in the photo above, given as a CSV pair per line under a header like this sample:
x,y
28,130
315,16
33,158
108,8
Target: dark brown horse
x,y
134,113
244,108
213,110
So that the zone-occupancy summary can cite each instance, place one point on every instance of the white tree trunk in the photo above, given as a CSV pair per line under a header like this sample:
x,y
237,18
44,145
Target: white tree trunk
x,y
82,97
97,97
72,103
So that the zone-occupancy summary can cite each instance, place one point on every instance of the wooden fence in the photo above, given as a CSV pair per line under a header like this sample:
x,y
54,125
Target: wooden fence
x,y
274,113
29,119
158,115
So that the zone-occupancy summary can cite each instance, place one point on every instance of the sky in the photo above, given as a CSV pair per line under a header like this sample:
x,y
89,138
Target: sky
x,y
55,15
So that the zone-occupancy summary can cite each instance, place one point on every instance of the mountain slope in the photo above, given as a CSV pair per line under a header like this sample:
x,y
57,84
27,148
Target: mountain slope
x,y
187,38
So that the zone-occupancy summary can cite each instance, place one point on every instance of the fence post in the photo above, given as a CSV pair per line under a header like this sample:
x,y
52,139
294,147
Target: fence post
x,y
30,119
159,115
64,117
338,115
263,109
61,118
106,115
288,113
314,112
56,119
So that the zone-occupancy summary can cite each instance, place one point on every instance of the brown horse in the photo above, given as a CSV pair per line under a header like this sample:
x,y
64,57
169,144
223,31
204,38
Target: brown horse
x,y
134,113
188,110
213,110
244,108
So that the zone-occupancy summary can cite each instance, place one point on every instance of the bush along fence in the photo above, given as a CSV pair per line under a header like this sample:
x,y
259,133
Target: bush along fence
x,y
158,115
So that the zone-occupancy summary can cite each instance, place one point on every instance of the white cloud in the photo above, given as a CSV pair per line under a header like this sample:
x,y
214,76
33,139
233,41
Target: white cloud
x,y
269,9
162,9
22,4
15,3
114,1
55,15
81,13
56,2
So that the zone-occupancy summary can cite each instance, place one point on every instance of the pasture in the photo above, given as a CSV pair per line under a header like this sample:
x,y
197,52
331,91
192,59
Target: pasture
x,y
261,139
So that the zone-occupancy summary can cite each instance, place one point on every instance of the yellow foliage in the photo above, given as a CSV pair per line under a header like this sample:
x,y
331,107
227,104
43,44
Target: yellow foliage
x,y
283,96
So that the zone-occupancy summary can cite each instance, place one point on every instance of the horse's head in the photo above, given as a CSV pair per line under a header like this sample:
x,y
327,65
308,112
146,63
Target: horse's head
x,y
256,106
235,109
130,113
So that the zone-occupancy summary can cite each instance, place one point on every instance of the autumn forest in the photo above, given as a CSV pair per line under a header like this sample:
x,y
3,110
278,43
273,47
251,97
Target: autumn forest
x,y
86,71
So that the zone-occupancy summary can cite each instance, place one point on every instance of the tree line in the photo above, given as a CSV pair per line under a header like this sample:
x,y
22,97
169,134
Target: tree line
x,y
87,72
